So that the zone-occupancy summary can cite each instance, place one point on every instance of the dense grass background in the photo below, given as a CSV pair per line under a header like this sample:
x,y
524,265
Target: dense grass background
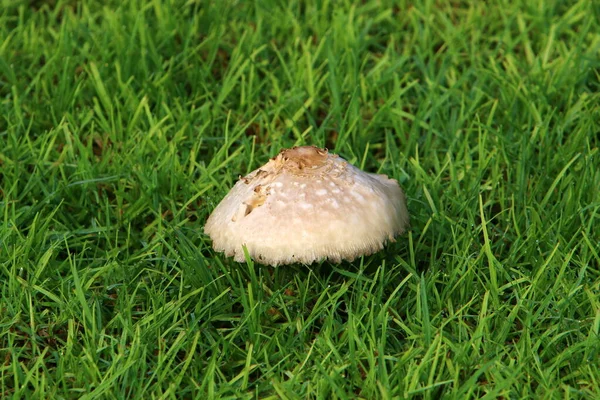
x,y
123,123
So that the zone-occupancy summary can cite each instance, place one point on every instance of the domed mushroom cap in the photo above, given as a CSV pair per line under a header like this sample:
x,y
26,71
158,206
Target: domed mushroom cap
x,y
307,205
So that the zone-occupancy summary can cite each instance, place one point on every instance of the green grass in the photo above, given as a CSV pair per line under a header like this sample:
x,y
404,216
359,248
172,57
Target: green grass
x,y
122,125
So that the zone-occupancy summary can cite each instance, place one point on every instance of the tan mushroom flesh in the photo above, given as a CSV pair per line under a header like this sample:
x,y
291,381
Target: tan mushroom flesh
x,y
307,205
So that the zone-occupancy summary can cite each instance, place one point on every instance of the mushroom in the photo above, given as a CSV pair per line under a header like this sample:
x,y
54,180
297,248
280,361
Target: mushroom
x,y
306,205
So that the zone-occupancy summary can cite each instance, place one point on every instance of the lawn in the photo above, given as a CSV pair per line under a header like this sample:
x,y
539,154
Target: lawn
x,y
124,123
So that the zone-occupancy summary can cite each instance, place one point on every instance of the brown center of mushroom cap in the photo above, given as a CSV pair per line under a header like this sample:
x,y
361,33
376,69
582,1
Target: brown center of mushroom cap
x,y
304,157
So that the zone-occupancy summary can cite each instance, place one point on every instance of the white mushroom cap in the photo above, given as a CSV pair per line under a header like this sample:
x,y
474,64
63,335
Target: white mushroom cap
x,y
307,205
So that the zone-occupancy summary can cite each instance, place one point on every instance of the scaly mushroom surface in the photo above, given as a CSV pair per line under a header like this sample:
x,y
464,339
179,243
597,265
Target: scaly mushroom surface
x,y
307,205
